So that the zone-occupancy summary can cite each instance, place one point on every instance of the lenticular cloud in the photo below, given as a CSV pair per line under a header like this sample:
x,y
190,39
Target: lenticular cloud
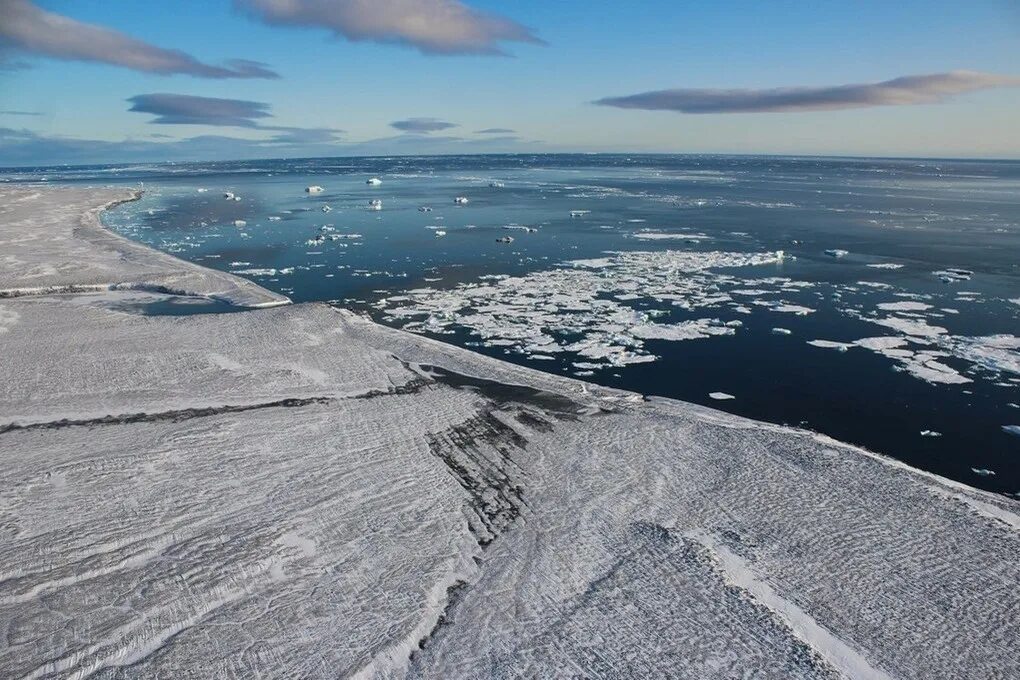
x,y
923,89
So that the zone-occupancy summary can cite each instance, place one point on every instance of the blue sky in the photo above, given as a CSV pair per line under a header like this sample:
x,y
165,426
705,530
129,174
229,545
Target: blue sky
x,y
563,57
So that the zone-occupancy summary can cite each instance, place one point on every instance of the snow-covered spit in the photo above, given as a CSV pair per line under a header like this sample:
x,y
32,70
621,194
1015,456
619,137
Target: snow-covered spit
x,y
52,242
298,492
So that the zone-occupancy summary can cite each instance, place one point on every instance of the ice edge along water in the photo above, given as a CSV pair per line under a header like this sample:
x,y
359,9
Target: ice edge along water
x,y
610,461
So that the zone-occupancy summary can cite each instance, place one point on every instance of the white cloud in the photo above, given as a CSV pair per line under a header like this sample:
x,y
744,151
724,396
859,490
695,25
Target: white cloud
x,y
24,27
431,26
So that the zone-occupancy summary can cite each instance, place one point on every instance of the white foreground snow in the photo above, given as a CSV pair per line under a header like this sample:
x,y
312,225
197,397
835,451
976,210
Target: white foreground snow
x,y
298,492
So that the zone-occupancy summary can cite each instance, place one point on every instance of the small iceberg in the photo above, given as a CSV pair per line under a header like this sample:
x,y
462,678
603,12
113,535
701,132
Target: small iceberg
x,y
836,252
505,239
273,218
579,213
425,208
373,182
781,331
326,209
930,433
496,185
240,223
314,189
1011,429
721,396
375,204
228,195
460,200
440,232
982,471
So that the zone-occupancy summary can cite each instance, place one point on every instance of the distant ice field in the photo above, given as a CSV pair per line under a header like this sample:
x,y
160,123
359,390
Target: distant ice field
x,y
680,276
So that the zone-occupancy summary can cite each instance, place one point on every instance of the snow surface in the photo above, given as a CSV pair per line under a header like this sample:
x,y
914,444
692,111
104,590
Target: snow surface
x,y
298,492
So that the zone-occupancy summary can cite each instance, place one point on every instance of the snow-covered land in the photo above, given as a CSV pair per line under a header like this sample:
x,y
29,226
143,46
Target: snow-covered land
x,y
298,492
52,242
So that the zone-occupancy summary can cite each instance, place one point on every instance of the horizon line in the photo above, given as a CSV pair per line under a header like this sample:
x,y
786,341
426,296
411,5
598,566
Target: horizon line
x,y
1002,159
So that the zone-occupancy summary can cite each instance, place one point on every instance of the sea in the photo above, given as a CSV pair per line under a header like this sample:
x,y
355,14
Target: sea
x,y
876,301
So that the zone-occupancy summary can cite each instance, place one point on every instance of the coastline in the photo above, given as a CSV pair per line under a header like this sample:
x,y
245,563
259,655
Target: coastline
x,y
91,258
285,453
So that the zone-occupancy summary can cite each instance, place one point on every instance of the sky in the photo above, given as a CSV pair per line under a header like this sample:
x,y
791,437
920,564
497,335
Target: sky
x,y
92,81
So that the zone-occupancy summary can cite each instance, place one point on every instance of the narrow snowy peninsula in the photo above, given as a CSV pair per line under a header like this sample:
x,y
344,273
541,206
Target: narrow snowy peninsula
x,y
298,492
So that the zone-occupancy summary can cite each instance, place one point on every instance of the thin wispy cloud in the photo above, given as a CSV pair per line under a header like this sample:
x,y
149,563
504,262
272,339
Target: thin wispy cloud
x,y
430,26
302,136
26,148
921,89
495,131
26,28
422,125
185,109
20,113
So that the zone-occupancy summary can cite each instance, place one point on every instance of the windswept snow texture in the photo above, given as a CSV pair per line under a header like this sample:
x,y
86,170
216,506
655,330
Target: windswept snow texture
x,y
298,492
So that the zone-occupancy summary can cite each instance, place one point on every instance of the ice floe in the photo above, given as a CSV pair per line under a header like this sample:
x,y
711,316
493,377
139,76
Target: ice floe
x,y
831,344
915,327
799,310
663,236
580,306
267,271
953,274
995,353
904,306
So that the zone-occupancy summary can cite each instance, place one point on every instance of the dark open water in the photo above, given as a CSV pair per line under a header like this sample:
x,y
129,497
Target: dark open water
x,y
663,318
